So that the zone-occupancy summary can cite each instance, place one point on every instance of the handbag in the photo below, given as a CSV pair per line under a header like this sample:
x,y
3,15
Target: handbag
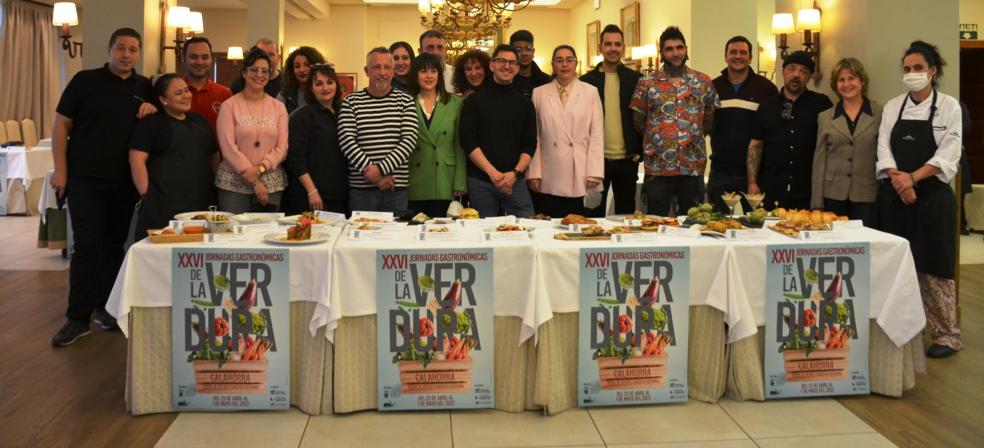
x,y
53,228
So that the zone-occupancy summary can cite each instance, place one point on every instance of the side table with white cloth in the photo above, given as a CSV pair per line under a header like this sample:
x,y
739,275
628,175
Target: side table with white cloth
x,y
141,301
25,167
352,316
895,351
712,305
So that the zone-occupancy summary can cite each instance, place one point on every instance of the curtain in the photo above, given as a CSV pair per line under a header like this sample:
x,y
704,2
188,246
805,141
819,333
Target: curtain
x,y
30,64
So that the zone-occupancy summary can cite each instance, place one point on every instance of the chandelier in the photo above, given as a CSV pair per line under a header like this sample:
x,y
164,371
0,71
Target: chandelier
x,y
468,24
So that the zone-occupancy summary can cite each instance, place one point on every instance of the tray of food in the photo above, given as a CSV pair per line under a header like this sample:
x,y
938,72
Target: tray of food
x,y
592,232
186,234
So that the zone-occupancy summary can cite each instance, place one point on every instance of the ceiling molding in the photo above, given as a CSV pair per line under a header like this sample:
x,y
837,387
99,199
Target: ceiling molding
x,y
295,12
318,9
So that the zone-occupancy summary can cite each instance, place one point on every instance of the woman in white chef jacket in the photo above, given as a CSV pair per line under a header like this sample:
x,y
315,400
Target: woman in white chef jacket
x,y
570,156
918,154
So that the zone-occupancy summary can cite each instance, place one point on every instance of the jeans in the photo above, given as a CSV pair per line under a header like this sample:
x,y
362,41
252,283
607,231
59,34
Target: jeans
x,y
376,200
238,203
101,214
557,206
437,208
661,190
489,201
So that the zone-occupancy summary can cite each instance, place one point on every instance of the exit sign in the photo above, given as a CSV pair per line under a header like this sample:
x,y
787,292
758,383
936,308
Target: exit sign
x,y
968,31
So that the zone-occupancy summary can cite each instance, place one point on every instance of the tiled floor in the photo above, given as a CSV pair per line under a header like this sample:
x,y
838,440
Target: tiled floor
x,y
729,424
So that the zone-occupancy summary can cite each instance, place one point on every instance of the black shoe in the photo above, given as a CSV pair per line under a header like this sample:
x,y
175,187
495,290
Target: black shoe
x,y
104,320
69,333
964,231
940,351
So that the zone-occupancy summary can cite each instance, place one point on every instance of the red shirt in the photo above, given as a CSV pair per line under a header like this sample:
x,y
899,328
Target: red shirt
x,y
206,102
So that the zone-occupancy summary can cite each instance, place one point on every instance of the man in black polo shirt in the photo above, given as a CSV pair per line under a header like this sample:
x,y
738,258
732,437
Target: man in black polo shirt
x,y
623,143
497,129
780,154
530,76
90,151
741,90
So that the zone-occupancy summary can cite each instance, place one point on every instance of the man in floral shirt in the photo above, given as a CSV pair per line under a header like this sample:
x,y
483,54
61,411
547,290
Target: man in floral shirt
x,y
673,109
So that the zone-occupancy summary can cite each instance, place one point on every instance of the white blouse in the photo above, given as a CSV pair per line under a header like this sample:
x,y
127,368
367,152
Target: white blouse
x,y
947,128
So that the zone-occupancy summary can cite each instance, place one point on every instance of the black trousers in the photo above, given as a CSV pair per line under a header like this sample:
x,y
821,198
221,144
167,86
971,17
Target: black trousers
x,y
436,208
621,176
661,190
721,183
865,211
101,212
557,206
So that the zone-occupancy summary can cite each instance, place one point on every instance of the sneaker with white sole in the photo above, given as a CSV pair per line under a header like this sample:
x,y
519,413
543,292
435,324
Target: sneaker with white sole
x,y
104,320
70,332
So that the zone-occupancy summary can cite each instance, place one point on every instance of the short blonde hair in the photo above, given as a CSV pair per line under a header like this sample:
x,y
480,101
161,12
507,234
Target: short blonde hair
x,y
855,67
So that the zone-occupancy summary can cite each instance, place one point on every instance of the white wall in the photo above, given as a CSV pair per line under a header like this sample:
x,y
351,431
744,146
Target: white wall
x,y
972,11
714,22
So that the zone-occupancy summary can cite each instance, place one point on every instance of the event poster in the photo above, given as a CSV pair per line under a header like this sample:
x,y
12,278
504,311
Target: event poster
x,y
230,331
816,320
633,323
434,329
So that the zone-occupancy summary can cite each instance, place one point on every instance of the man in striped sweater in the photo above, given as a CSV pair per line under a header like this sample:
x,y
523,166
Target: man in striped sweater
x,y
377,127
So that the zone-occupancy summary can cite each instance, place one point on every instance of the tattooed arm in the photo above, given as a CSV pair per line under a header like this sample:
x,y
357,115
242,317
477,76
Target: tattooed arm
x,y
752,163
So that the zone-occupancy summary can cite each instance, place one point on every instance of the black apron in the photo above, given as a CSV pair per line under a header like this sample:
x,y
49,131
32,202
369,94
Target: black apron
x,y
929,224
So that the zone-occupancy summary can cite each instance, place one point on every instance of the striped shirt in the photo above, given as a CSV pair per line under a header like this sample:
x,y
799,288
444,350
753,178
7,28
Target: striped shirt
x,y
380,131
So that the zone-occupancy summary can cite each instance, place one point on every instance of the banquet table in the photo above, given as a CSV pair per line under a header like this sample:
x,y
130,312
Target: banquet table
x,y
141,301
23,167
351,322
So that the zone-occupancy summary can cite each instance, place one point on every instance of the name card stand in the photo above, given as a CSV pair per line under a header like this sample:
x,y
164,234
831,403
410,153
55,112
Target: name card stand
x,y
679,232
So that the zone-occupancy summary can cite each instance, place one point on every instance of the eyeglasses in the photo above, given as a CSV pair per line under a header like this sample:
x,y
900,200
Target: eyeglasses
x,y
787,110
506,62
259,70
569,60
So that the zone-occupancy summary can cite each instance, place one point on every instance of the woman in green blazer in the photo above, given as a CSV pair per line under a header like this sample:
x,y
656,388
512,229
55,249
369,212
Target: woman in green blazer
x,y
437,164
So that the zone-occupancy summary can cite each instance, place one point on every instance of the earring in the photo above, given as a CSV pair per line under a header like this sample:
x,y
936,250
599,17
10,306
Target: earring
x,y
164,103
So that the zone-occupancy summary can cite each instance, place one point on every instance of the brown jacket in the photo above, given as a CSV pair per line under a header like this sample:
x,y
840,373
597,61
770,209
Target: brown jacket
x,y
844,164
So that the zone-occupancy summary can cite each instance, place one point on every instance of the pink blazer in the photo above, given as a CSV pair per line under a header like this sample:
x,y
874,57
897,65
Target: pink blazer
x,y
570,140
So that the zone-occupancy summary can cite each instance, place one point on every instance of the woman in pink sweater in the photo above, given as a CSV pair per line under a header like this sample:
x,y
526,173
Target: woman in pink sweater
x,y
252,132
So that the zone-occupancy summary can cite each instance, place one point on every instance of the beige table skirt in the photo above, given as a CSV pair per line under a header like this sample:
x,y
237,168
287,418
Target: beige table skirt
x,y
526,376
891,370
149,361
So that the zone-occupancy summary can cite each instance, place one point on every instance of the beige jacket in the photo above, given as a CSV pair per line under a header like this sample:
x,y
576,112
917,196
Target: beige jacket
x,y
844,164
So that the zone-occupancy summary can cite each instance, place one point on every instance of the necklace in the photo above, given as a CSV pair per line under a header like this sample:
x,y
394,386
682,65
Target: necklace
x,y
256,122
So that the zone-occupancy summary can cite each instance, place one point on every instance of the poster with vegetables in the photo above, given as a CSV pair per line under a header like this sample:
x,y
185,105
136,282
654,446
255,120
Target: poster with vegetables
x,y
230,332
816,320
434,329
633,323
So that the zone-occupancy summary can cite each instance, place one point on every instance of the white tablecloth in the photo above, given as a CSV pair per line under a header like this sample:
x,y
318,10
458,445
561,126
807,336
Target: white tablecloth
x,y
144,279
711,267
28,164
895,299
353,288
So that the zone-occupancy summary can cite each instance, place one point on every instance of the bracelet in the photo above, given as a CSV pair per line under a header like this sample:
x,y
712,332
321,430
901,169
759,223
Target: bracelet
x,y
914,183
312,192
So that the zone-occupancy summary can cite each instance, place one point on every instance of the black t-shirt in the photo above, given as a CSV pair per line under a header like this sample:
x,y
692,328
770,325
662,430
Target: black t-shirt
x,y
102,107
735,119
179,163
526,84
502,122
313,148
790,139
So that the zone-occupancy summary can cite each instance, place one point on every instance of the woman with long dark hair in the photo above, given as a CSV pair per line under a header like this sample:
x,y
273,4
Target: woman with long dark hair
x,y
296,74
471,72
919,144
402,61
316,168
438,164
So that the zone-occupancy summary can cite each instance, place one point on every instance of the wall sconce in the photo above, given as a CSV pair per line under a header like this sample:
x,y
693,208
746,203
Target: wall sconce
x,y
65,15
647,52
808,21
234,54
182,19
782,25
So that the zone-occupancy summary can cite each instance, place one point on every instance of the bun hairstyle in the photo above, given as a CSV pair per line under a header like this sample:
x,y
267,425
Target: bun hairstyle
x,y
931,54
161,84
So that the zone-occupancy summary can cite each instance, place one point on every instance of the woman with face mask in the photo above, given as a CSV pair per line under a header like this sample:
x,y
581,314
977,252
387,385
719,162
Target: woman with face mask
x,y
918,154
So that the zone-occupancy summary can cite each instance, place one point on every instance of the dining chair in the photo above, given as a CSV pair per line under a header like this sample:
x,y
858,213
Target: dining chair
x,y
3,135
30,133
13,131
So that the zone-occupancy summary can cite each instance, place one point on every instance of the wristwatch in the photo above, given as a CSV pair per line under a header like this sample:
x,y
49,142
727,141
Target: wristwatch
x,y
262,169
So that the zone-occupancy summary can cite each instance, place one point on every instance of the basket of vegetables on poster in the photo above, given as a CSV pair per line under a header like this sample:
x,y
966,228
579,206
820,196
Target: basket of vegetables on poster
x,y
641,360
818,348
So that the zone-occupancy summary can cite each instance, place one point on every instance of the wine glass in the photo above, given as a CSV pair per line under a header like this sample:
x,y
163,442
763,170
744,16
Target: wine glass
x,y
754,200
731,200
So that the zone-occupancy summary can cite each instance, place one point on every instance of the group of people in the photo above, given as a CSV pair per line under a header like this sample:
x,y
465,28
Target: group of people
x,y
493,126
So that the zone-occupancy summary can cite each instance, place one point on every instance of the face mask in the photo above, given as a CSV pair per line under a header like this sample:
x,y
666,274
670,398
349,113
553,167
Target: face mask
x,y
916,81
